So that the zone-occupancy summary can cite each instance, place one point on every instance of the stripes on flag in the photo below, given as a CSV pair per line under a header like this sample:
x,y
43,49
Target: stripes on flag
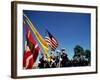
x,y
31,50
51,41
30,58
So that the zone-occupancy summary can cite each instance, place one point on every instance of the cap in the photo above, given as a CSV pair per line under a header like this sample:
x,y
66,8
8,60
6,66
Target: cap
x,y
58,51
63,49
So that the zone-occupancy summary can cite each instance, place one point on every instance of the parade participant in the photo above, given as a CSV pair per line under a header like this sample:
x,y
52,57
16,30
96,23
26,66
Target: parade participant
x,y
52,60
64,58
41,61
58,58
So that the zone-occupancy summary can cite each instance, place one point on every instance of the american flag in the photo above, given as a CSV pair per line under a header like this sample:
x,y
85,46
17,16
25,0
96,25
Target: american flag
x,y
51,41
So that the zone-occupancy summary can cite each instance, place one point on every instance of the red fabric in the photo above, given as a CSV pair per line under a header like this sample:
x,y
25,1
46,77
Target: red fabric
x,y
30,38
31,61
36,53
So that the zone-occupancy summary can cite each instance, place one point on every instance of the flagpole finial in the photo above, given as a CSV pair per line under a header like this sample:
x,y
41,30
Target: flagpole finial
x,y
24,15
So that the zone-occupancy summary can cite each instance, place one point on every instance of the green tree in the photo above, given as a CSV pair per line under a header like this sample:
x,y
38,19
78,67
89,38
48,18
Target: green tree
x,y
78,51
88,54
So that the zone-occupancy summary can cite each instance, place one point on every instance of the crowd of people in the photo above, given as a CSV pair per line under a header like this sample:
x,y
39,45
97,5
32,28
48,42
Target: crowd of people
x,y
61,60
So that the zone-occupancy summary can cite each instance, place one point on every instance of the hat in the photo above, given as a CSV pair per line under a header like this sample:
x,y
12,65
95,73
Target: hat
x,y
63,49
58,51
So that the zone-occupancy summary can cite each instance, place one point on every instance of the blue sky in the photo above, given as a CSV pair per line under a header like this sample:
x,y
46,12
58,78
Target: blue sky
x,y
70,29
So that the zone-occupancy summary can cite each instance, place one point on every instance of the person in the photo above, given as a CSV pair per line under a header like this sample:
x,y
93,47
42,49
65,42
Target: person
x,y
41,61
64,58
52,60
46,63
58,57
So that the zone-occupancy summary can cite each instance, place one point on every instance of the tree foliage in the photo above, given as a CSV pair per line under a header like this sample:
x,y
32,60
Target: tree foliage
x,y
78,50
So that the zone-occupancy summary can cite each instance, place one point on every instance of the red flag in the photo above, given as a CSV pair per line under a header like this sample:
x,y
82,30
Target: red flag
x,y
28,60
31,50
